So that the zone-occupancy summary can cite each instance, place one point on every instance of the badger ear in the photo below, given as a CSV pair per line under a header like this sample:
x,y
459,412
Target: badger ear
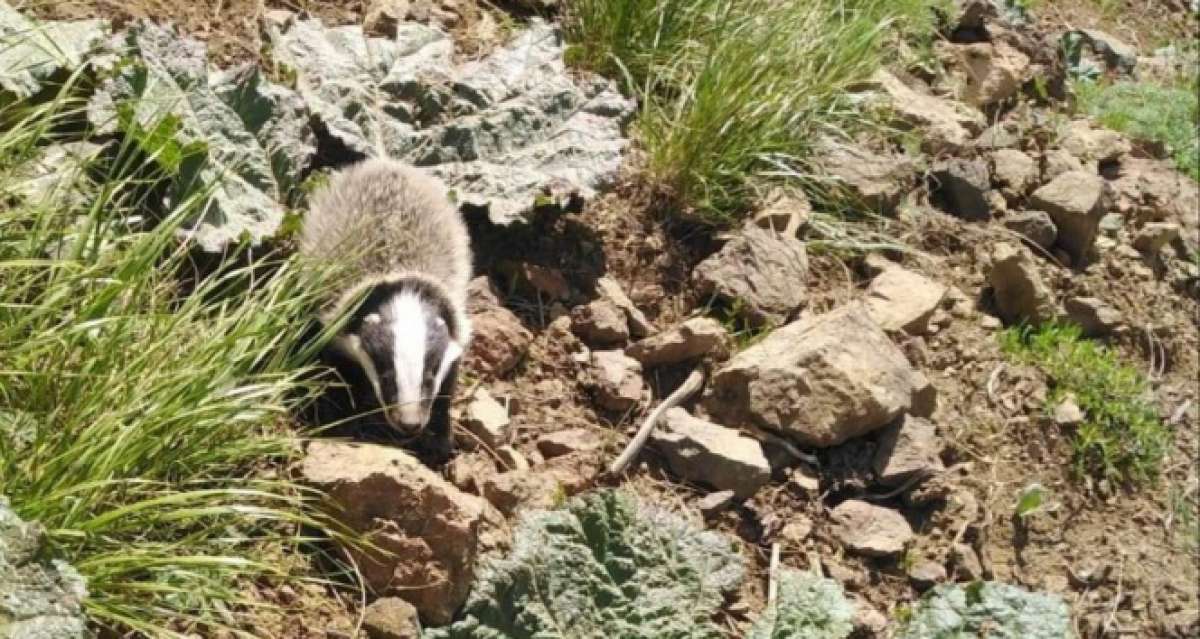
x,y
453,352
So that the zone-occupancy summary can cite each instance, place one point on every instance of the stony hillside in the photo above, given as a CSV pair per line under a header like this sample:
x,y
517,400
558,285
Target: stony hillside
x,y
938,377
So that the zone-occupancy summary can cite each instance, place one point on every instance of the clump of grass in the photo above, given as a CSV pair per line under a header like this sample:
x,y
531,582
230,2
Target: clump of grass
x,y
734,90
1167,115
134,418
1122,436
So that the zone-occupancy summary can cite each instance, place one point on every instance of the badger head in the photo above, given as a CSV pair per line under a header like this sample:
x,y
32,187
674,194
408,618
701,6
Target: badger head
x,y
404,340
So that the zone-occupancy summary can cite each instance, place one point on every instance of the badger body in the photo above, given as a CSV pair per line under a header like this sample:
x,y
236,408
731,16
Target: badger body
x,y
402,260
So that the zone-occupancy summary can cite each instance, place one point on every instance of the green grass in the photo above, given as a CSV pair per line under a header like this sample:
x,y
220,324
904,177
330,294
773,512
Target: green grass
x,y
135,418
1122,436
733,92
1168,115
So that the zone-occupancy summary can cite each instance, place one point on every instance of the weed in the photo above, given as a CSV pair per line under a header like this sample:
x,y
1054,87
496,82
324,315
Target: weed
x,y
1031,500
733,90
1167,115
1122,436
137,417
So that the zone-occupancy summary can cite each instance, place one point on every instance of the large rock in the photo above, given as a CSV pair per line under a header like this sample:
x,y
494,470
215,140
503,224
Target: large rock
x,y
878,181
1020,293
1113,53
693,338
498,339
391,618
820,381
1154,191
901,300
947,125
866,529
984,73
1076,201
708,453
506,131
39,598
907,448
1093,315
433,530
760,273
618,380
961,187
1093,145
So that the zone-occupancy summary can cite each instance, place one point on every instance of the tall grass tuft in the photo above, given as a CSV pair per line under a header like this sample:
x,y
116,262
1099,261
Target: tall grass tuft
x,y
136,418
731,90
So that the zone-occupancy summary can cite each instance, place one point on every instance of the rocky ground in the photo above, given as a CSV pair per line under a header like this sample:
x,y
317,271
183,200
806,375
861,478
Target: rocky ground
x,y
858,411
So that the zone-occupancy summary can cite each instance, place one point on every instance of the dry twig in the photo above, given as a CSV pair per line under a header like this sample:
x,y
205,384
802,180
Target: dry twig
x,y
681,394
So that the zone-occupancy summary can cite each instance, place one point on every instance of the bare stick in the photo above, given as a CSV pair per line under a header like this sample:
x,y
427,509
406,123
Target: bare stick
x,y
681,394
773,582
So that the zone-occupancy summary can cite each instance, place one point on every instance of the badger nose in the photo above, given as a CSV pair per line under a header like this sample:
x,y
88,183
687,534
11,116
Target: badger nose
x,y
406,418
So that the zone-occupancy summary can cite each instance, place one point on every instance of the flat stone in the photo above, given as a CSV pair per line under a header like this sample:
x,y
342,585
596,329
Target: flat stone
x,y
487,420
901,300
1075,201
611,290
692,339
906,449
819,381
1093,315
1013,172
761,274
1068,413
926,574
1035,227
568,441
961,187
1093,144
866,529
707,453
947,125
1020,293
1055,162
391,618
600,323
966,562
1151,238
618,380
878,181
984,73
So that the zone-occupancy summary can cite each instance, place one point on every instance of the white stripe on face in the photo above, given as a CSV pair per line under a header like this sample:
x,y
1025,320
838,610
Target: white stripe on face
x,y
407,313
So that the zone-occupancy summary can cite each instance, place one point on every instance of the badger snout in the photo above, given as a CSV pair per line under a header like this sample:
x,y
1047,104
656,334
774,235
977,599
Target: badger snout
x,y
409,419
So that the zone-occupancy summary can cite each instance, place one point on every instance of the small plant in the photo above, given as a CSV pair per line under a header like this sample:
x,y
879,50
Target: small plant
x,y
1031,500
1167,115
986,609
1122,436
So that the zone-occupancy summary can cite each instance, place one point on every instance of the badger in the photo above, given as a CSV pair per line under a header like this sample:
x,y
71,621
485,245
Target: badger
x,y
403,260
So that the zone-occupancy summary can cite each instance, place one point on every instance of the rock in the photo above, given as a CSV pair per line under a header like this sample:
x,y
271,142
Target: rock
x,y
926,574
1056,162
947,125
706,453
486,420
866,529
600,323
1013,172
868,621
820,381
1005,134
504,131
566,442
961,187
966,562
1075,201
549,283
498,339
1068,412
984,73
1020,293
1117,55
39,598
805,478
511,458
878,181
1151,238
1035,227
381,17
694,338
609,289
391,618
969,15
432,530
714,504
1154,191
785,213
796,531
901,300
465,468
906,449
760,273
619,384
541,487
924,397
1096,318
1092,145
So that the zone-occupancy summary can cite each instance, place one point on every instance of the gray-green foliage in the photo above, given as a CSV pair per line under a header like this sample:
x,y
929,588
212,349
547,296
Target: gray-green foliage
x,y
233,131
808,606
604,566
33,56
953,611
